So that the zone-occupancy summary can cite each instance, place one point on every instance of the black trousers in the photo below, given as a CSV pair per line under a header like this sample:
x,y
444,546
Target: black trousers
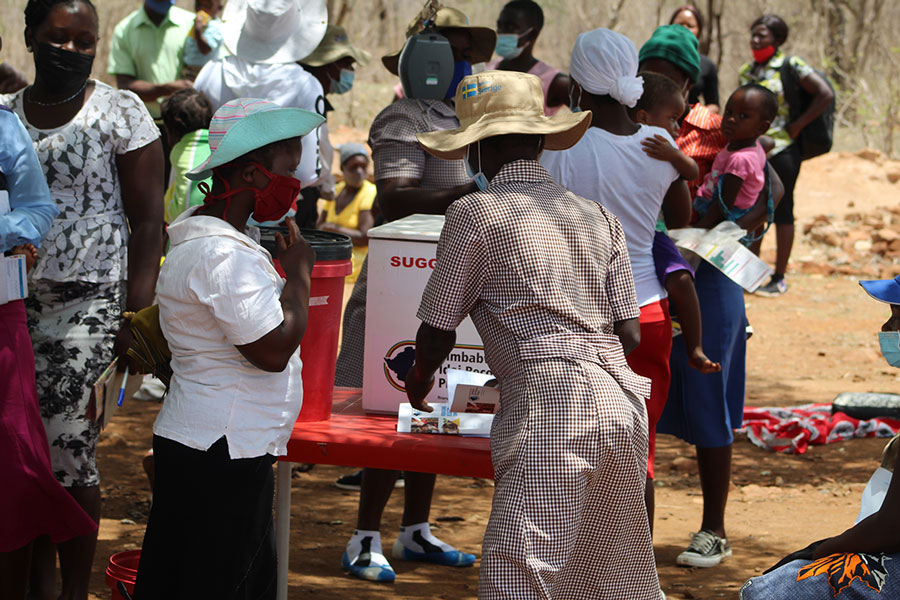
x,y
210,532
787,164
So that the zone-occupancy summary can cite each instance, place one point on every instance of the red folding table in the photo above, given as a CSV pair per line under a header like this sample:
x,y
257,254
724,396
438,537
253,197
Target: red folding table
x,y
353,438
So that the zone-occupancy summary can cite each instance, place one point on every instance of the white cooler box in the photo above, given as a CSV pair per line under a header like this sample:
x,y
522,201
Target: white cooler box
x,y
401,259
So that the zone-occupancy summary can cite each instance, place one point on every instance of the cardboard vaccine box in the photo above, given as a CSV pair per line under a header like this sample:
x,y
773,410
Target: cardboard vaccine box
x,y
401,259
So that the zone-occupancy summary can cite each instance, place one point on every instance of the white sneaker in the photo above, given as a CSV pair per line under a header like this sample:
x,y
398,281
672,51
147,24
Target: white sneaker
x,y
706,550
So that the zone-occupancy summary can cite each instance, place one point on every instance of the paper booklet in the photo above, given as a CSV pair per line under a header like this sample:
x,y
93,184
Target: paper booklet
x,y
720,247
13,278
444,421
105,393
469,393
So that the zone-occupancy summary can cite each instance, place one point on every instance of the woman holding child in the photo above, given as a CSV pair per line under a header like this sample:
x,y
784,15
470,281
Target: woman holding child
x,y
702,408
767,34
100,153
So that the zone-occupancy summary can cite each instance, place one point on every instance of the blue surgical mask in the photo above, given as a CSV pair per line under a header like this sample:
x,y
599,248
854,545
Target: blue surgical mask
x,y
160,7
508,45
343,84
890,347
461,68
480,180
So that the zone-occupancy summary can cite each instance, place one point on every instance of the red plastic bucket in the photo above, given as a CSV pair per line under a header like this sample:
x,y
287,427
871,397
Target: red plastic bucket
x,y
122,567
318,350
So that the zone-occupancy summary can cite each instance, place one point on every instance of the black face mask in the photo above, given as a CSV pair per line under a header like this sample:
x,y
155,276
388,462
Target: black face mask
x,y
61,69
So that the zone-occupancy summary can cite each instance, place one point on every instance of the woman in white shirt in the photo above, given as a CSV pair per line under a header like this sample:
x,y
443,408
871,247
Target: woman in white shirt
x,y
234,328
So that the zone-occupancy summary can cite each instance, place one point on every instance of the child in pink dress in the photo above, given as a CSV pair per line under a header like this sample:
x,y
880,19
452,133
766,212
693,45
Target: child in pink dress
x,y
737,176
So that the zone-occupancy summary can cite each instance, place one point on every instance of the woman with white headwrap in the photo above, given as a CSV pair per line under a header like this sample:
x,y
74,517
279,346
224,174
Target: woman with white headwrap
x,y
610,166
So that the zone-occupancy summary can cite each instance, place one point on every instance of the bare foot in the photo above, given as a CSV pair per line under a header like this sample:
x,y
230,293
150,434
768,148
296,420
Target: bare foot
x,y
701,362
30,253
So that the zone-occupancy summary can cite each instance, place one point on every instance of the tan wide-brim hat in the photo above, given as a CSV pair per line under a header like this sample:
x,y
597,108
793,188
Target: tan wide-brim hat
x,y
273,31
335,46
484,39
502,103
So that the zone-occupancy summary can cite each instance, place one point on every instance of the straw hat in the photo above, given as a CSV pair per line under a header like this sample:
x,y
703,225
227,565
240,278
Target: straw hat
x,y
501,103
273,31
247,124
335,46
484,39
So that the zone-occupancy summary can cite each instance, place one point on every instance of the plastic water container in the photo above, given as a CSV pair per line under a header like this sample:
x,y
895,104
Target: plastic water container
x,y
122,567
318,350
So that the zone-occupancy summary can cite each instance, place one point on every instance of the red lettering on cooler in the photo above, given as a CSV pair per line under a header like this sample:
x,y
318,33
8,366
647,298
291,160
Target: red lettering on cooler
x,y
410,262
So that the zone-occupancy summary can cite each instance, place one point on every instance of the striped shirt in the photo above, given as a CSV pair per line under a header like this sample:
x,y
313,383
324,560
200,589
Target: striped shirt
x,y
701,138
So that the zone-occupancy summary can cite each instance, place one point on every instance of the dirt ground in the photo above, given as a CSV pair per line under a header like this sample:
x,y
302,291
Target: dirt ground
x,y
815,342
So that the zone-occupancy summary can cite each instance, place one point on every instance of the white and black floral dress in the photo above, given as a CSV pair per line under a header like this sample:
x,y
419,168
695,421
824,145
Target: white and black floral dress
x,y
77,287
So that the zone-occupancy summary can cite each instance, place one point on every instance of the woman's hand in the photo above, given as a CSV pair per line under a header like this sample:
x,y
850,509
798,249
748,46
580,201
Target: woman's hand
x,y
793,129
417,387
295,255
121,345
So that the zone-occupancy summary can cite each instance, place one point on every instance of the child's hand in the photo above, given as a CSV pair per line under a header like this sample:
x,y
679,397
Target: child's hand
x,y
30,253
201,21
658,147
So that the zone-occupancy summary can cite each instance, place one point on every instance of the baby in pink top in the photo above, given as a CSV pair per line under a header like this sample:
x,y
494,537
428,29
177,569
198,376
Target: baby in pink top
x,y
737,176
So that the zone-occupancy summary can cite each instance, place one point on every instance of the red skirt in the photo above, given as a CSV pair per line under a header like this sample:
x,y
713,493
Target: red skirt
x,y
651,360
32,503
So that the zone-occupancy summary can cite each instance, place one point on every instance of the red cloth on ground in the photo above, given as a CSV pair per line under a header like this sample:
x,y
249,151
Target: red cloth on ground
x,y
651,360
791,430
33,503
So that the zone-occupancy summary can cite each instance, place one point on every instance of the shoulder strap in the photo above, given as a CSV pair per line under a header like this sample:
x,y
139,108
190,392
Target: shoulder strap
x,y
789,84
749,239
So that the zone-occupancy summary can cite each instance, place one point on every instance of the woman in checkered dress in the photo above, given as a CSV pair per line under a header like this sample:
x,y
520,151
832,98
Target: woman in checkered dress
x,y
546,278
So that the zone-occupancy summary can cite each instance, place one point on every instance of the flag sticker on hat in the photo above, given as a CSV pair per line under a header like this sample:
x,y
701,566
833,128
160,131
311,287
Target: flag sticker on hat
x,y
479,88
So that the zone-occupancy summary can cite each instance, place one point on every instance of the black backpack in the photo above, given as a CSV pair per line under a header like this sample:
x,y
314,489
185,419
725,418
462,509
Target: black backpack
x,y
817,137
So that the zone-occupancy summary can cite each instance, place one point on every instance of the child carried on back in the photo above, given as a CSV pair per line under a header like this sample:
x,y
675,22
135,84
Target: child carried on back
x,y
662,105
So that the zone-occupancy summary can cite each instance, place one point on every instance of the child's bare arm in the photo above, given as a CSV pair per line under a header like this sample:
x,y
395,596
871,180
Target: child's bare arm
x,y
731,186
658,147
767,143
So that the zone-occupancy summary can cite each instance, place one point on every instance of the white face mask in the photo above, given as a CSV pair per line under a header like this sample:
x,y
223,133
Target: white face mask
x,y
480,180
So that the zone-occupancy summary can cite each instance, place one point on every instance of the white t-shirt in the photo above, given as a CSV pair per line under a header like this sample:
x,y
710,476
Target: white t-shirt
x,y
219,289
616,172
287,85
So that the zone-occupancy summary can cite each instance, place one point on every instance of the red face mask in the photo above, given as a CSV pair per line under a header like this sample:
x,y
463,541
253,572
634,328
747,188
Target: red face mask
x,y
763,55
270,203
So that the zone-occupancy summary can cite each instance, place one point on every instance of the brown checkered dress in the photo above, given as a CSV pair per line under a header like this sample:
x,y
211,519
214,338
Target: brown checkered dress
x,y
396,153
545,274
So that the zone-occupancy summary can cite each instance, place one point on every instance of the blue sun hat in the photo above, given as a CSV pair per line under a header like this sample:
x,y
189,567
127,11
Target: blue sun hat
x,y
883,290
247,124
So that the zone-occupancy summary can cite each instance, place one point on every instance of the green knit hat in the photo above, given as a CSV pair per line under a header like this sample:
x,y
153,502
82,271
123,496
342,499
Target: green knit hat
x,y
676,44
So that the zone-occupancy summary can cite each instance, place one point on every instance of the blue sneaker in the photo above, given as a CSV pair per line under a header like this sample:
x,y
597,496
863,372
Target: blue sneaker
x,y
363,568
450,558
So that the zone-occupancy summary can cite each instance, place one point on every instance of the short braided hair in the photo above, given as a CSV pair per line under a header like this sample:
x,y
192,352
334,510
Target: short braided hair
x,y
186,111
36,11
